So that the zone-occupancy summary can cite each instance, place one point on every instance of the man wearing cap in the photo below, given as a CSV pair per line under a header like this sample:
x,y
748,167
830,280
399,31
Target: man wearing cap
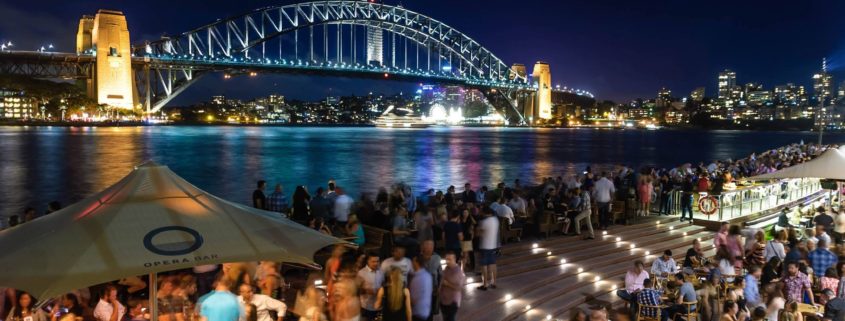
x,y
834,309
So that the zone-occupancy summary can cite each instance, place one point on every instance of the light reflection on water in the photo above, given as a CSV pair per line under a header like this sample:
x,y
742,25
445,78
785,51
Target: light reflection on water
x,y
41,164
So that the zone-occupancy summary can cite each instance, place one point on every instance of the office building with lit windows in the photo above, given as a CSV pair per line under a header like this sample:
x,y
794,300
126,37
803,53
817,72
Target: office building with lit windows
x,y
16,105
727,82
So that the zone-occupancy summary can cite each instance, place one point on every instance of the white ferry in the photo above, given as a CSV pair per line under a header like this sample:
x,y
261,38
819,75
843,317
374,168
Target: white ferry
x,y
400,118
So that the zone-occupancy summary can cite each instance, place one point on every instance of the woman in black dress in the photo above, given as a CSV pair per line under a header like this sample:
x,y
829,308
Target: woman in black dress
x,y
393,298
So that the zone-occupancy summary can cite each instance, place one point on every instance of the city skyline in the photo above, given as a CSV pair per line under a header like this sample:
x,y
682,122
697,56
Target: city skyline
x,y
611,52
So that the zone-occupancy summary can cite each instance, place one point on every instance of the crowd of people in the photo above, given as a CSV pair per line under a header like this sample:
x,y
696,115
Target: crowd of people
x,y
786,277
438,237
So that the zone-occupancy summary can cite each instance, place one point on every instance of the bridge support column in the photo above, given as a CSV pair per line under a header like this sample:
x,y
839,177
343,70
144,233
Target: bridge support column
x,y
147,90
543,80
112,78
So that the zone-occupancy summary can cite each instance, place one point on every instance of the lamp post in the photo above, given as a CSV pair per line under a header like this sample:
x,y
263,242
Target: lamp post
x,y
823,86
63,108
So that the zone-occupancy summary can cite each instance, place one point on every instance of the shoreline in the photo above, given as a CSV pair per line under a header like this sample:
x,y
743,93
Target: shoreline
x,y
223,124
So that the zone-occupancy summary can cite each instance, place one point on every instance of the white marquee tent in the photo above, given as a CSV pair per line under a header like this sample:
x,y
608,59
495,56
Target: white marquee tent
x,y
150,221
829,165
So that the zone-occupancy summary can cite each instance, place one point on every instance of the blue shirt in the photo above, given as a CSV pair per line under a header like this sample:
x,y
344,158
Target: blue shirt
x,y
277,202
649,297
687,292
751,291
821,260
220,306
421,291
793,256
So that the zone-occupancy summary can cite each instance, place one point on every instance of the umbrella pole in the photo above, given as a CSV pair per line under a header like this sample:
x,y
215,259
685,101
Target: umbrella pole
x,y
153,295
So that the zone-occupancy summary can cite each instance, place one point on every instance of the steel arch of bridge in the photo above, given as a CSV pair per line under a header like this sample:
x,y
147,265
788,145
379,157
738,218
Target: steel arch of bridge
x,y
237,36
238,43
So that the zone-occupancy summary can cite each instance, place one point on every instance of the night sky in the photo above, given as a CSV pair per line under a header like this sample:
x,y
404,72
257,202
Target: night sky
x,y
618,50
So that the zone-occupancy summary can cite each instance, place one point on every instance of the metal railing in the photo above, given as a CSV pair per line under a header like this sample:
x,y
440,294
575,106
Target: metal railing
x,y
749,200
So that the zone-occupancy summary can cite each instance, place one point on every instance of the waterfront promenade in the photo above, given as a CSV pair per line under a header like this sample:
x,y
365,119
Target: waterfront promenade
x,y
541,285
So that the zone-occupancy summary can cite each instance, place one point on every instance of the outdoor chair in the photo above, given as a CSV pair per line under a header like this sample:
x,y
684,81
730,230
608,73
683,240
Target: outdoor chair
x,y
645,308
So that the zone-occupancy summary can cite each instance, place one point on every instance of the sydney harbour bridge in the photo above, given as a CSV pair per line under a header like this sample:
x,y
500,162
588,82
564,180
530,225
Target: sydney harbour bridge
x,y
332,38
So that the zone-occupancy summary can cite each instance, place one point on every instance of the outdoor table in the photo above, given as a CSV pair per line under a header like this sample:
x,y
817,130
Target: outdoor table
x,y
808,309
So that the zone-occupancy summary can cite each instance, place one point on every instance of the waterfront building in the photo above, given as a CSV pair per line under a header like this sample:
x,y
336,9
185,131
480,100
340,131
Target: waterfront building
x,y
759,97
453,96
14,104
677,114
664,98
788,94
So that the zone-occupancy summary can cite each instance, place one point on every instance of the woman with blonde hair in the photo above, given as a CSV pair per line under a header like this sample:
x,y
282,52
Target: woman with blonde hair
x,y
393,298
310,305
790,312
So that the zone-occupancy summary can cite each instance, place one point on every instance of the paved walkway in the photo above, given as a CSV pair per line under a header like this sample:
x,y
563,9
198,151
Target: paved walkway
x,y
562,272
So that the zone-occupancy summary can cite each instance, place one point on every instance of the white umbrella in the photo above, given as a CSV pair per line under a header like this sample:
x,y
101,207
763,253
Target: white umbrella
x,y
829,165
150,221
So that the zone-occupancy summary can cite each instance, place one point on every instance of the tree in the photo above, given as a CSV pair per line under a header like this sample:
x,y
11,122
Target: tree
x,y
475,109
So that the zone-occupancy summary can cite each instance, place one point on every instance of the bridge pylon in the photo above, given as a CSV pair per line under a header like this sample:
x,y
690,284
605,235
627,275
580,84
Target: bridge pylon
x,y
107,35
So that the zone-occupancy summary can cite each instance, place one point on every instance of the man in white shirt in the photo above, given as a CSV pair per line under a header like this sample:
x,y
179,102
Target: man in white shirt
x,y
517,203
263,304
634,280
503,210
109,309
821,234
603,194
398,260
488,242
370,279
342,207
665,265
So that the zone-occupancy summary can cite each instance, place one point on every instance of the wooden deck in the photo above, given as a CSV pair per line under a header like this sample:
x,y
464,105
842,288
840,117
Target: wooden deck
x,y
539,284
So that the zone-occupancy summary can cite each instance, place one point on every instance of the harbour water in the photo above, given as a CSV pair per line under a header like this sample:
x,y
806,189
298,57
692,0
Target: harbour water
x,y
43,164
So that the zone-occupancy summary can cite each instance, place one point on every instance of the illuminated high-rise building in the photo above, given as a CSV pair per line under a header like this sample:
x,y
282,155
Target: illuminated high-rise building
x,y
841,90
664,98
375,49
749,88
823,83
727,82
787,94
758,97
697,95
